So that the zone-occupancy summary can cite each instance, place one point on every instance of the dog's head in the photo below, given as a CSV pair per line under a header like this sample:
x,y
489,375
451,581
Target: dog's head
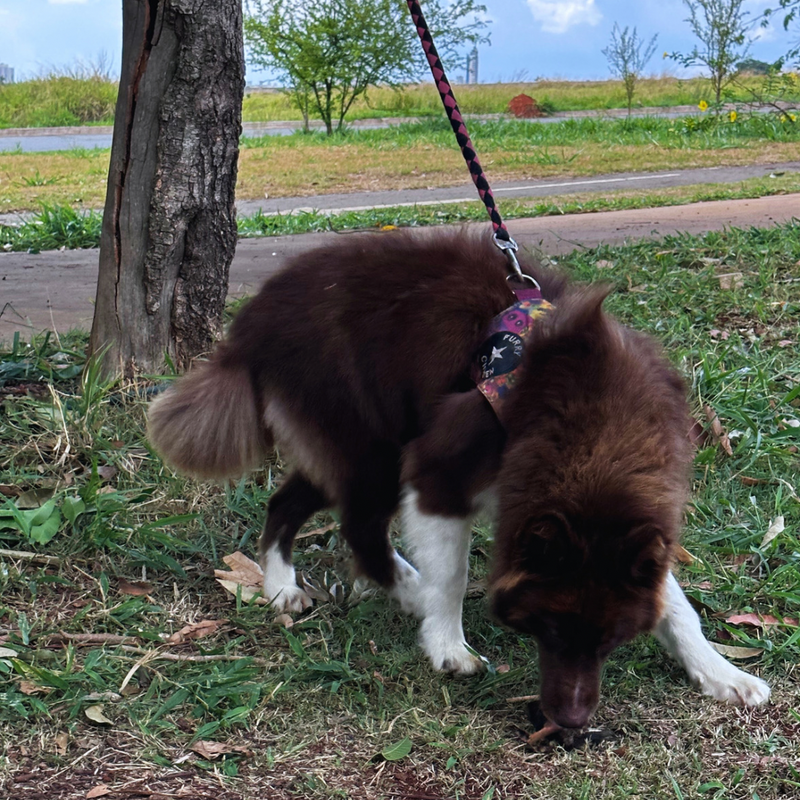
x,y
591,495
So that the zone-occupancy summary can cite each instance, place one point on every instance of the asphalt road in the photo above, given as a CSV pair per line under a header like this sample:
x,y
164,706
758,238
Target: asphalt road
x,y
89,137
55,290
513,189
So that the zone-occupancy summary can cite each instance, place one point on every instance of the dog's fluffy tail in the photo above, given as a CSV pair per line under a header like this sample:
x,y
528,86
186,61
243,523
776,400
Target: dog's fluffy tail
x,y
208,425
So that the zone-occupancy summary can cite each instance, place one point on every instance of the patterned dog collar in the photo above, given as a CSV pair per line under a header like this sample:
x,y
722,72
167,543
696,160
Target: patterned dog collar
x,y
498,363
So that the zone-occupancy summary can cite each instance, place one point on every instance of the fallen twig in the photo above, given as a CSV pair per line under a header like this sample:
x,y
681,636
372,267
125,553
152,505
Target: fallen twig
x,y
548,730
30,556
165,655
526,698
316,531
93,638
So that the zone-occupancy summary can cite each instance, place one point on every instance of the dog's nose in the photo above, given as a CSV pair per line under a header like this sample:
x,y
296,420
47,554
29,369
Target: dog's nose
x,y
571,717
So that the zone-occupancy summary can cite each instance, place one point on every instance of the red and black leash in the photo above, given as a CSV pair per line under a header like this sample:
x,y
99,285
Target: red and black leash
x,y
501,236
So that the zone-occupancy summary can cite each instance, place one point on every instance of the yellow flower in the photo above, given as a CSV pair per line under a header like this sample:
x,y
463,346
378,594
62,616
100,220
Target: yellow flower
x,y
793,117
732,116
702,105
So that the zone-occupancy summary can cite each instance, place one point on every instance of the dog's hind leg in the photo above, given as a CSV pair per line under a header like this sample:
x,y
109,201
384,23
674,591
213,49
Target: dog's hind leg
x,y
439,546
369,500
291,505
680,633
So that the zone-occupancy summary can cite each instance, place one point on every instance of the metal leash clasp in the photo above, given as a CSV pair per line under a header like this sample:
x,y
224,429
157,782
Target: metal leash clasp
x,y
510,247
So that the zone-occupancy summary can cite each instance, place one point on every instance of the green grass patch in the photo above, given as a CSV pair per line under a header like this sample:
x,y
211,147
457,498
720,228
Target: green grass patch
x,y
81,96
57,100
492,98
55,227
328,708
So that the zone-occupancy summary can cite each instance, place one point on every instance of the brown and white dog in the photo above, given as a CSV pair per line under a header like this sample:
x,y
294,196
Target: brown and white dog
x,y
355,361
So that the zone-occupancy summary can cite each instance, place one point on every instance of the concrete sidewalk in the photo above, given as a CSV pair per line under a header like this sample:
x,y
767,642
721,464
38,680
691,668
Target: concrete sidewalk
x,y
56,290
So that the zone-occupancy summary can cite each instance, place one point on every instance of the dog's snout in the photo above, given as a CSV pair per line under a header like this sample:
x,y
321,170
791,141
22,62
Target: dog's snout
x,y
574,717
570,690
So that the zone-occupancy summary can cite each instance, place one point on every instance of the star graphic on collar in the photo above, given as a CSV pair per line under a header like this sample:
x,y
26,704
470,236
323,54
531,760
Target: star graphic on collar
x,y
497,352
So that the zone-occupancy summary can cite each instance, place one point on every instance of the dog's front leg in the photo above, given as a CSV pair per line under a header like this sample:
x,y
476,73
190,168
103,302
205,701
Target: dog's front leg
x,y
439,546
680,633
444,471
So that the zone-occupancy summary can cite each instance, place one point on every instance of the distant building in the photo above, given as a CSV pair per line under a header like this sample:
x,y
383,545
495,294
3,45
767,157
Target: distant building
x,y
472,67
6,74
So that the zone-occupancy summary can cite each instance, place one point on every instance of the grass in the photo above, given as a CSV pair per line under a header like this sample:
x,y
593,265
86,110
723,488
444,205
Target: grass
x,y
58,99
419,155
81,95
314,707
422,99
55,227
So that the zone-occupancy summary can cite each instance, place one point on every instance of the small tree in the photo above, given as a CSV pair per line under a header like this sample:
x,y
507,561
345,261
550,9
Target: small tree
x,y
627,57
329,52
721,26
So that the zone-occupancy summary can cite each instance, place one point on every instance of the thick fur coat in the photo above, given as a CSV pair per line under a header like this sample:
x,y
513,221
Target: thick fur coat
x,y
355,361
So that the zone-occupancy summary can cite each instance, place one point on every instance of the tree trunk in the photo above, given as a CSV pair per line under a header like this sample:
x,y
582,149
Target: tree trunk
x,y
169,224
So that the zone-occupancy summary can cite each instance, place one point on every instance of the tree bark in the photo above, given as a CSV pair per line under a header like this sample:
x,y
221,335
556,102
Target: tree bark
x,y
169,224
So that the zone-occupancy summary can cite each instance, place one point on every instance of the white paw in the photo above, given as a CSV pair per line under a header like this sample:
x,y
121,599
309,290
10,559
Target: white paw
x,y
287,599
448,653
732,685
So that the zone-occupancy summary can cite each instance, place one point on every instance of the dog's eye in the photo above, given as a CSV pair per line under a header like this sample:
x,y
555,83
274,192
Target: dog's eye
x,y
546,544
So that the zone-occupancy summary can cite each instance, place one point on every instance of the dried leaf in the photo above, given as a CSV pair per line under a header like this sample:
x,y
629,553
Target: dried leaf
x,y
7,652
776,527
683,555
106,472
101,790
759,621
135,588
603,264
314,589
748,481
737,653
29,688
249,594
196,630
34,498
243,570
61,740
697,434
730,280
10,491
95,714
503,668
244,576
717,431
285,620
213,750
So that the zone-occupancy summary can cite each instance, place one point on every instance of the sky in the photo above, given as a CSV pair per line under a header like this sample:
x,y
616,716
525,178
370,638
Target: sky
x,y
529,38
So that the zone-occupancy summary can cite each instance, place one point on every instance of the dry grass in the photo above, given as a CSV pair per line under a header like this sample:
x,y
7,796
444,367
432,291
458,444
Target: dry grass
x,y
28,180
487,98
313,170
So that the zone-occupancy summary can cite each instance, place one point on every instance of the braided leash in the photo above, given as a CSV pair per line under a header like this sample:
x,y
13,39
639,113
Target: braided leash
x,y
501,236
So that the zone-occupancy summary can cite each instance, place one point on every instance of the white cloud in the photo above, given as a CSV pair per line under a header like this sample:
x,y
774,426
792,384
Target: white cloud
x,y
67,2
558,16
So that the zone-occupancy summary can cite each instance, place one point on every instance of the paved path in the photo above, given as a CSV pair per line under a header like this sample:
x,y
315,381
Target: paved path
x,y
56,289
362,201
91,136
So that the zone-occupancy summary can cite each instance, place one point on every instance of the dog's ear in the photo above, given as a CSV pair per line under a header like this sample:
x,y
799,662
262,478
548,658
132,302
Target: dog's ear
x,y
458,456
